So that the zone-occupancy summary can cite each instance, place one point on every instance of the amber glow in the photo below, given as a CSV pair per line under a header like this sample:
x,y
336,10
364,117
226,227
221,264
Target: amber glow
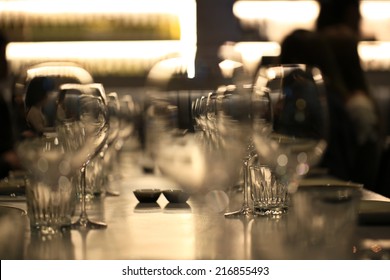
x,y
287,11
276,18
98,57
136,55
375,55
128,57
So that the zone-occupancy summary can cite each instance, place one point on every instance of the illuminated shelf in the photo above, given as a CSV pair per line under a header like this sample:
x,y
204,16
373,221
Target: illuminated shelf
x,y
119,37
106,37
138,57
98,57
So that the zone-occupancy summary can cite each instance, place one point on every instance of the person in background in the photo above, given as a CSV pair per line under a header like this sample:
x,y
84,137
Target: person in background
x,y
37,93
308,47
339,24
342,17
8,157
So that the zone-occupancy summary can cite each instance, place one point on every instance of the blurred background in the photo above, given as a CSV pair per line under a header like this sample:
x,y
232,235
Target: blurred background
x,y
119,42
177,45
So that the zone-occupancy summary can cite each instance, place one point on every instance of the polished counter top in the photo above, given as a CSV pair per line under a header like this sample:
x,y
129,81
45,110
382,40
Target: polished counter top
x,y
193,230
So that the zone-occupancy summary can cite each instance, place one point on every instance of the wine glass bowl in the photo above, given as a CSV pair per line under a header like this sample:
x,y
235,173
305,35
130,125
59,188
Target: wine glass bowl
x,y
129,112
107,157
54,74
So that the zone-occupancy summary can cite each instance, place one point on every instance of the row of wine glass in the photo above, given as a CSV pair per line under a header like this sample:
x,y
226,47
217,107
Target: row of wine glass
x,y
281,119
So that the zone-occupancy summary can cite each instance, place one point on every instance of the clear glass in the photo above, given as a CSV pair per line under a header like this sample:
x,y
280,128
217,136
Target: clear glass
x,y
270,197
238,105
82,112
108,153
50,186
212,113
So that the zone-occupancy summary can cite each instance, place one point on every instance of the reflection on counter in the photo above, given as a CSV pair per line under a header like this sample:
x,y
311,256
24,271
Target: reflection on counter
x,y
57,246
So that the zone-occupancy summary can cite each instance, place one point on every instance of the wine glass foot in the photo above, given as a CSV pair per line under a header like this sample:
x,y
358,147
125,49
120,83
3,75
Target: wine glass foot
x,y
88,224
243,212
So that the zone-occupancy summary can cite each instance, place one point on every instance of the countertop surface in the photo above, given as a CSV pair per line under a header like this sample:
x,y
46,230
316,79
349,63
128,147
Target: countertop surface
x,y
196,229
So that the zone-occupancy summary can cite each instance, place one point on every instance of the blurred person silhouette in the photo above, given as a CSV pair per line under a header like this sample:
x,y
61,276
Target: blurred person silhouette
x,y
353,151
37,94
339,23
341,17
8,158
308,47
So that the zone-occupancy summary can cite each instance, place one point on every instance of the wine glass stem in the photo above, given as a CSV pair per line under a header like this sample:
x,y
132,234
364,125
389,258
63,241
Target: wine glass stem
x,y
83,214
245,204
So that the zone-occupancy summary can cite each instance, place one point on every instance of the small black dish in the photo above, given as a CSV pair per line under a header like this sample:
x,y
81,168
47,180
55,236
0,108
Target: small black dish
x,y
147,195
176,196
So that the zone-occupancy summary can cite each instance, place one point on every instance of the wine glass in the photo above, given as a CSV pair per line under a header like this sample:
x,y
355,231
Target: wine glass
x,y
198,112
197,163
291,135
250,152
228,101
82,116
128,113
55,74
108,153
204,112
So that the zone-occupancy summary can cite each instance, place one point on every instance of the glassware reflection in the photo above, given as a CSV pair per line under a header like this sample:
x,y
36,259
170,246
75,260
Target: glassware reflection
x,y
58,246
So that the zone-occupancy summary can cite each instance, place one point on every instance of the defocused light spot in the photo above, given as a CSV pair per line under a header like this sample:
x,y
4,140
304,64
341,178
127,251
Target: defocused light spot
x,y
302,169
64,183
271,74
301,104
282,160
299,116
217,201
43,165
280,170
302,157
64,167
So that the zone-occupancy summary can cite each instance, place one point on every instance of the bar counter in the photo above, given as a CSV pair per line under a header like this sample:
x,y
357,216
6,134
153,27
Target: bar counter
x,y
190,231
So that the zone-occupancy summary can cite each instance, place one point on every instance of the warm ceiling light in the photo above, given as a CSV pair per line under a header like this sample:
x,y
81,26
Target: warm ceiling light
x,y
285,11
98,57
375,10
375,55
